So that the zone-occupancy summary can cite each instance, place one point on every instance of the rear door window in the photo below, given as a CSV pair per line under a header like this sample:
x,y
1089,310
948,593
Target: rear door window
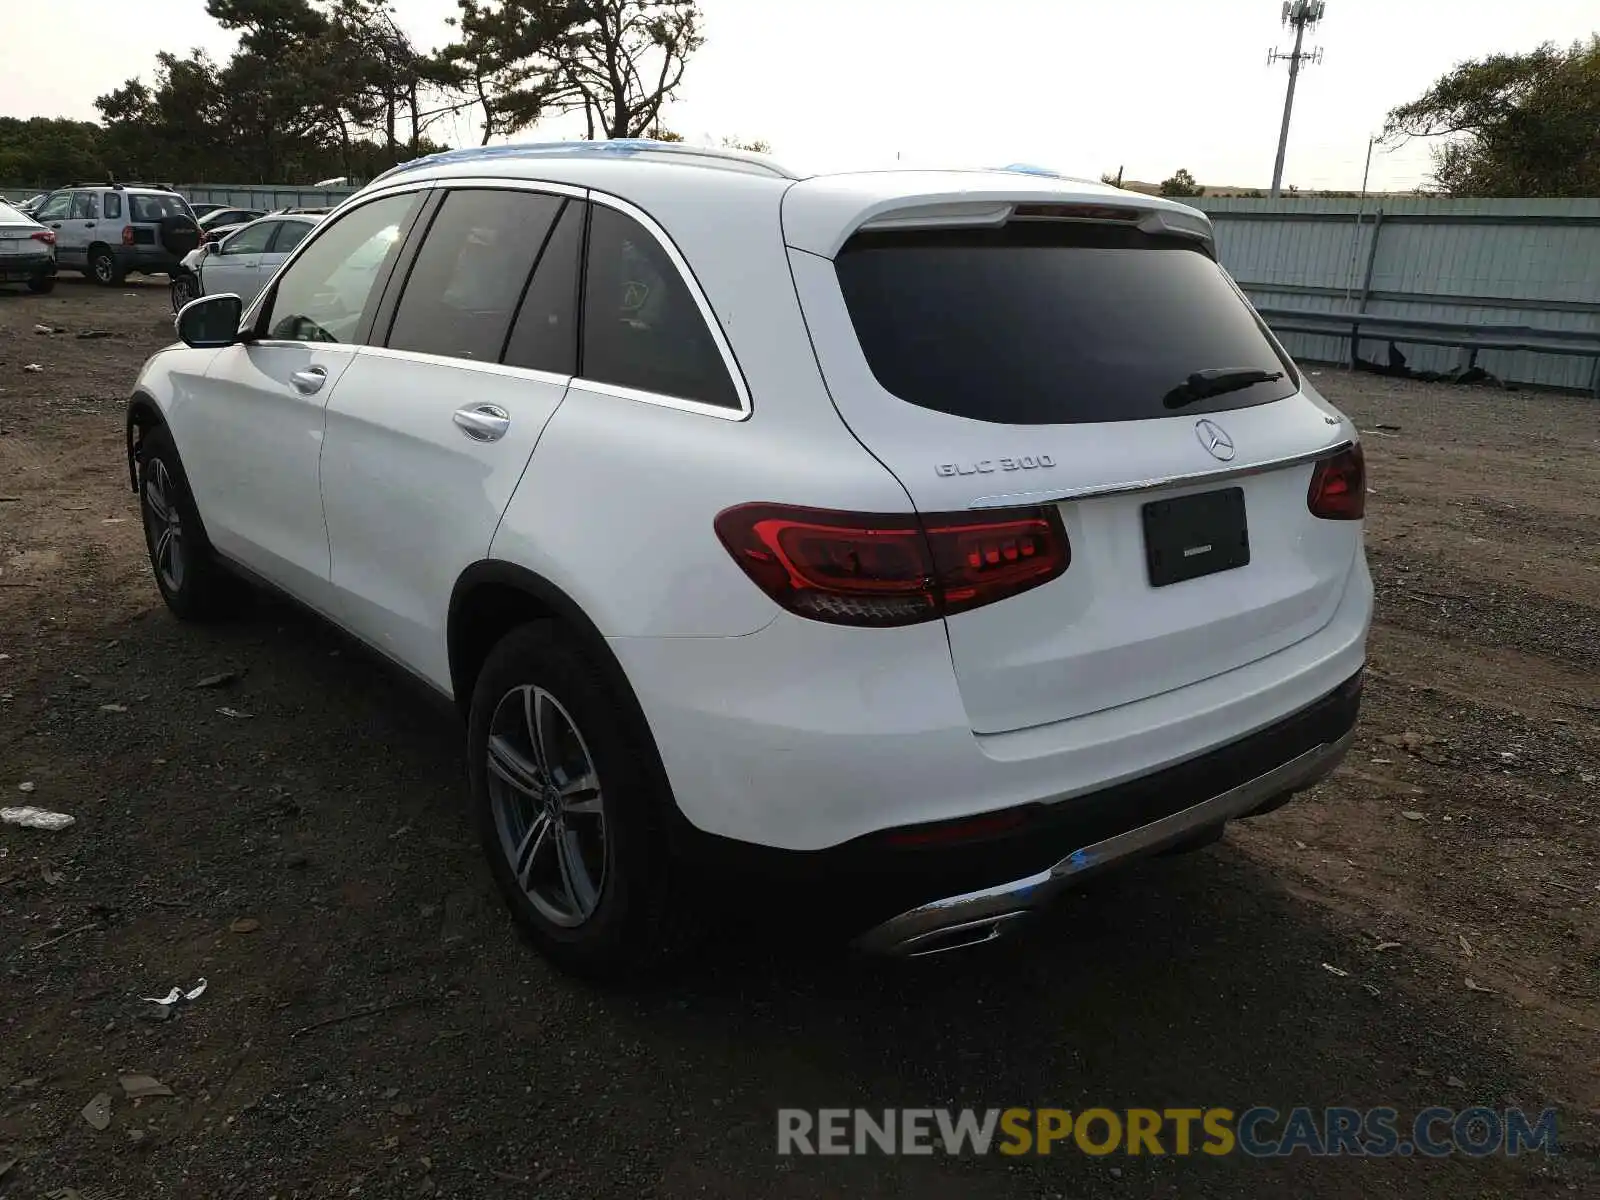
x,y
83,206
113,206
1040,323
290,235
545,336
641,326
469,275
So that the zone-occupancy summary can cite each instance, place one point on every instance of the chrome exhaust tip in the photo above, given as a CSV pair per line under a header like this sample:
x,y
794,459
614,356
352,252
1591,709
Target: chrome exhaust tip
x,y
958,937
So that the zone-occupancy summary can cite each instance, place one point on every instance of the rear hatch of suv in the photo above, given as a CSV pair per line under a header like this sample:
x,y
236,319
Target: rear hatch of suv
x,y
1081,357
163,219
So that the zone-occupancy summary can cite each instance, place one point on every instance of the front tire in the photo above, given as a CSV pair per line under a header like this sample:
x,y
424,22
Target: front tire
x,y
185,287
570,808
192,582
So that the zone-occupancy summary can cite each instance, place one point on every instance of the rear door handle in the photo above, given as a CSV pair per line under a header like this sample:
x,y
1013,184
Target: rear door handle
x,y
309,381
482,422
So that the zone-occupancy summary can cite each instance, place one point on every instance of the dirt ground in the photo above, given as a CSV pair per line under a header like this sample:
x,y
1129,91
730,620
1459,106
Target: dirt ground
x,y
1420,930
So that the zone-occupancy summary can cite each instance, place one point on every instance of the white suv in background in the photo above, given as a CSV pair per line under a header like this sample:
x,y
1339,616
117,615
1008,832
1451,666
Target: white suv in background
x,y
111,230
910,543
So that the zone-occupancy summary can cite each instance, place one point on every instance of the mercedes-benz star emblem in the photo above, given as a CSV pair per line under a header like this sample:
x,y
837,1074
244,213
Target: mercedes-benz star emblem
x,y
1216,441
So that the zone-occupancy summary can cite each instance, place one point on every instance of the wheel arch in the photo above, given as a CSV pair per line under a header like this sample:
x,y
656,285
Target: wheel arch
x,y
490,598
144,414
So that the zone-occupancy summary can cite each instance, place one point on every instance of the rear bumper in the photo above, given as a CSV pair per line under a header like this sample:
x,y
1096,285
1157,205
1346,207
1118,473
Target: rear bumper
x,y
15,268
979,916
806,737
915,892
149,260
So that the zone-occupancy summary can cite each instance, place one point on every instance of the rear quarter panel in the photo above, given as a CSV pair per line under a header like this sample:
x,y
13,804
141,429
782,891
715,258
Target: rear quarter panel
x,y
618,504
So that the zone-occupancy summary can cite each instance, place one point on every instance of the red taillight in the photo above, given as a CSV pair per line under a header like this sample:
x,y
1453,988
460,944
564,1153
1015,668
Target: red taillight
x,y
1339,486
127,235
892,568
47,236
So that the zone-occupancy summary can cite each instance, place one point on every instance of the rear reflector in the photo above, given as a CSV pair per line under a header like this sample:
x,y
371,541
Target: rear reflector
x,y
883,569
1338,489
952,832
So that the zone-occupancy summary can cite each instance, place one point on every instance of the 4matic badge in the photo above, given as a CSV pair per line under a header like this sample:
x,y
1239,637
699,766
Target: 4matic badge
x,y
984,466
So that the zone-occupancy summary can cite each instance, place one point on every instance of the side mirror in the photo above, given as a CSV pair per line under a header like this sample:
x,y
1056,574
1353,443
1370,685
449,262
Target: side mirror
x,y
210,322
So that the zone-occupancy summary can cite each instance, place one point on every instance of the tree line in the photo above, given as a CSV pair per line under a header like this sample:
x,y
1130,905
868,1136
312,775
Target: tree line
x,y
322,88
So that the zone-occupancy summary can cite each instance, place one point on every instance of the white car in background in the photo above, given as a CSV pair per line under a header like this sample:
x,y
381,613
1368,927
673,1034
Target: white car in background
x,y
911,544
242,262
27,250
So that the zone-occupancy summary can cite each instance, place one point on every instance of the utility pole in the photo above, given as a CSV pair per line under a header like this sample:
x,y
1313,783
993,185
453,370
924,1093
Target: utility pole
x,y
1361,212
1301,15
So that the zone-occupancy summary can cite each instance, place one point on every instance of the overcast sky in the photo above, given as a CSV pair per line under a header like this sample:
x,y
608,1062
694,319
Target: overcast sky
x,y
1148,85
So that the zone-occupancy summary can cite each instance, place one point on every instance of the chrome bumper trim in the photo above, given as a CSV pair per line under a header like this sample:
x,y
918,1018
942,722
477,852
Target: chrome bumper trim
x,y
1096,490
974,917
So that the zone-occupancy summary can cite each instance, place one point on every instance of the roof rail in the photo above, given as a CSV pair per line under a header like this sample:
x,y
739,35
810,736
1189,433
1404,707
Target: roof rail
x,y
615,148
118,184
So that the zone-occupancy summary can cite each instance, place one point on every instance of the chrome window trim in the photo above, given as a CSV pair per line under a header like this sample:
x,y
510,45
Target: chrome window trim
x,y
532,374
616,203
1094,491
660,399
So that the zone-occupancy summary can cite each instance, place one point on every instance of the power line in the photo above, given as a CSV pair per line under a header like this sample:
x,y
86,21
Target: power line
x,y
1299,15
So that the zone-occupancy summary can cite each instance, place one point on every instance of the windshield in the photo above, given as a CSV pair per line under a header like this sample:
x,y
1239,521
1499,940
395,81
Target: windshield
x,y
1041,323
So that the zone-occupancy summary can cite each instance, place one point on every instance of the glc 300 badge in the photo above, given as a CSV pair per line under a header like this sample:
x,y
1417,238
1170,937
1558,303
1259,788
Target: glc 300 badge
x,y
985,466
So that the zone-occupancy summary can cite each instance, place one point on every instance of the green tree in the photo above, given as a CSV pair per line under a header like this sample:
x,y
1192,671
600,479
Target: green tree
x,y
43,152
505,60
616,61
623,59
1181,184
1512,124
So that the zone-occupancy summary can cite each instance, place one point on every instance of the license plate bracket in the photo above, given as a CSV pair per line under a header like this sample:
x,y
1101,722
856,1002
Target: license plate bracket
x,y
1188,537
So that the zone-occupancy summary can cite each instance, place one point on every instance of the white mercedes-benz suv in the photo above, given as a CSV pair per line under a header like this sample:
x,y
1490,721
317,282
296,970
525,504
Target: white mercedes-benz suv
x,y
912,543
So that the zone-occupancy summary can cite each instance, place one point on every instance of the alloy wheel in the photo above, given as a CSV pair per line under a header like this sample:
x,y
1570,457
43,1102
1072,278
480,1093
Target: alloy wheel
x,y
545,795
164,524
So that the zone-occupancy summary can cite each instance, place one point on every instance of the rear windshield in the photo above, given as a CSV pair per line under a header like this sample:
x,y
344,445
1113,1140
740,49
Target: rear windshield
x,y
152,208
1041,323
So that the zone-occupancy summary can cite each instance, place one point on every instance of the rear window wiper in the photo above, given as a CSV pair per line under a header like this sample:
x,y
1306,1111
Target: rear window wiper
x,y
1217,382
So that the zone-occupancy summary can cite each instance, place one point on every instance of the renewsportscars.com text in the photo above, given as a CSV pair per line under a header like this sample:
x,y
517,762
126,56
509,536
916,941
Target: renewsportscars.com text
x,y
1257,1132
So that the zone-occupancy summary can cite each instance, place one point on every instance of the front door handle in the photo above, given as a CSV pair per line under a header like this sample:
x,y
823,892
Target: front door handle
x,y
309,381
482,422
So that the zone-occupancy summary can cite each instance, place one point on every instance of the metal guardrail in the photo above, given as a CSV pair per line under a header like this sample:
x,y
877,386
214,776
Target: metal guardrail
x,y
1467,336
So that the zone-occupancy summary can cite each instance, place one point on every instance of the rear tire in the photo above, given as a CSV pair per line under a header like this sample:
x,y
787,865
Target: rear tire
x,y
193,583
104,268
40,285
571,819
